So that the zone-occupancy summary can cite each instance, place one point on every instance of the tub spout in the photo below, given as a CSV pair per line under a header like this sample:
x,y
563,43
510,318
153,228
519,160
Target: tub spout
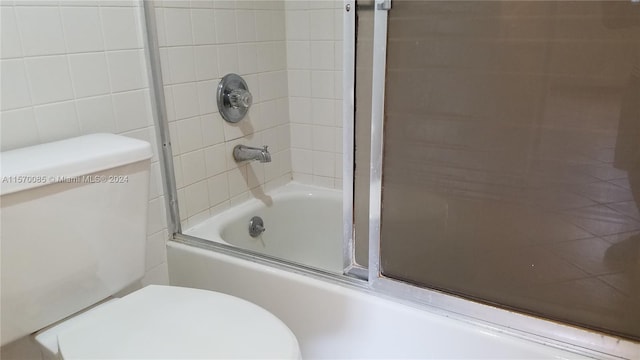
x,y
242,153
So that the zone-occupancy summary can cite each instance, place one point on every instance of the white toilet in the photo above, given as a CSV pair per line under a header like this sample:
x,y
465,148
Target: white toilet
x,y
73,232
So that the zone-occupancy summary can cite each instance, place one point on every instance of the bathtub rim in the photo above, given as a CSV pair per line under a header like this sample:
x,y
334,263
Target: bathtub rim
x,y
626,348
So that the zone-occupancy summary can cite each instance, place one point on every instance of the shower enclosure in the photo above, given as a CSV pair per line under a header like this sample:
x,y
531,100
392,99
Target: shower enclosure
x,y
505,157
287,58
490,150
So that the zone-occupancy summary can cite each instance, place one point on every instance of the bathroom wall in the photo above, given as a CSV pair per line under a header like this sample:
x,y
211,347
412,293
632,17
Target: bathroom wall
x,y
200,42
74,67
314,63
77,67
290,54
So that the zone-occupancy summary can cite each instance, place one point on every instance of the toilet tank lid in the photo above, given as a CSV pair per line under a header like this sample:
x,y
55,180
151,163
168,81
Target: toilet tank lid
x,y
43,164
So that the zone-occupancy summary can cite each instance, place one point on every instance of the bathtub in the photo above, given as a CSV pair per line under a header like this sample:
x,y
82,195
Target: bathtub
x,y
338,320
303,225
332,316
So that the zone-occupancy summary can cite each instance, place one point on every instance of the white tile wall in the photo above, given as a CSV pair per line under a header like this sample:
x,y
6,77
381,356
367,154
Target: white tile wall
x,y
314,59
10,45
132,110
201,41
81,26
40,29
177,24
225,26
74,67
15,86
124,69
19,128
290,55
97,114
58,120
49,78
121,27
89,74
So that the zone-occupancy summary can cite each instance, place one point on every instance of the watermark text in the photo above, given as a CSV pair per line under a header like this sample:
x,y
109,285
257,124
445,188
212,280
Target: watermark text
x,y
49,179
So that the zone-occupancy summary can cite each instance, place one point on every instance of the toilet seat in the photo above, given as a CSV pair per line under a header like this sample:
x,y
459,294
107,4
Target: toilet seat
x,y
174,322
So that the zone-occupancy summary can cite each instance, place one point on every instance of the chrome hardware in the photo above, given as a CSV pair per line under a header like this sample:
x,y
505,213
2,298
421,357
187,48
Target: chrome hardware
x,y
383,5
256,226
242,153
240,98
234,98
347,7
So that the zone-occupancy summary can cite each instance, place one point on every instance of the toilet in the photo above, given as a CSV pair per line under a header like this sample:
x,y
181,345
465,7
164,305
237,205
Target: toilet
x,y
73,232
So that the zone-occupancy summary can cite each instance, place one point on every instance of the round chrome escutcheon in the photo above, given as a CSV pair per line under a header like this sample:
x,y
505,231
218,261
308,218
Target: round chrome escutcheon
x,y
234,98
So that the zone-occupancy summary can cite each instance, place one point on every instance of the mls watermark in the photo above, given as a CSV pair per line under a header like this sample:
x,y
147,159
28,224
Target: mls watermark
x,y
84,179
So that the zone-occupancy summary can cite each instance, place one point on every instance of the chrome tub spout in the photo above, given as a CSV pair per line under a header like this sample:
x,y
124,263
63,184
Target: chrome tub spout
x,y
242,153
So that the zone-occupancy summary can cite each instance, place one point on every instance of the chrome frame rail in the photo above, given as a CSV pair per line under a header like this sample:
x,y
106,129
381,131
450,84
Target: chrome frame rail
x,y
377,133
159,113
348,109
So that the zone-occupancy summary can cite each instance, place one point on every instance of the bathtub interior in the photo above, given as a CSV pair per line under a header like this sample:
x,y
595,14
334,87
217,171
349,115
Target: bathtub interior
x,y
303,225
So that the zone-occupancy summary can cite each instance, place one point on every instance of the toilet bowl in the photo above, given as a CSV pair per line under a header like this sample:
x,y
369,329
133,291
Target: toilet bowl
x,y
172,323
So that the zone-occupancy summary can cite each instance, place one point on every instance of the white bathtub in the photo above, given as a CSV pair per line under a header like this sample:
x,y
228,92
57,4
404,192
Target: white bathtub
x,y
303,225
339,321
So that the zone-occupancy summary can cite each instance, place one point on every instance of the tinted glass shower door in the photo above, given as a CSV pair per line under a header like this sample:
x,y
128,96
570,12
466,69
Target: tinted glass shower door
x,y
511,166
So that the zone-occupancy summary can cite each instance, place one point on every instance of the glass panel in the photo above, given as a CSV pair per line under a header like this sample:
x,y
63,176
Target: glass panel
x,y
512,156
285,201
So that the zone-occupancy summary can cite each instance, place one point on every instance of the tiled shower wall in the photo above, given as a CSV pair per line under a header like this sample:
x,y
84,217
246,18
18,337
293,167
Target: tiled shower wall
x,y
200,42
77,67
314,63
290,54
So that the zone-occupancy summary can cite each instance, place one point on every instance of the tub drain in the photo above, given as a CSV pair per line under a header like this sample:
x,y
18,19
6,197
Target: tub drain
x,y
256,226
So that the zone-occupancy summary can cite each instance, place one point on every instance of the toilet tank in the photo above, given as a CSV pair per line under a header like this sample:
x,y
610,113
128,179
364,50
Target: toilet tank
x,y
73,223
